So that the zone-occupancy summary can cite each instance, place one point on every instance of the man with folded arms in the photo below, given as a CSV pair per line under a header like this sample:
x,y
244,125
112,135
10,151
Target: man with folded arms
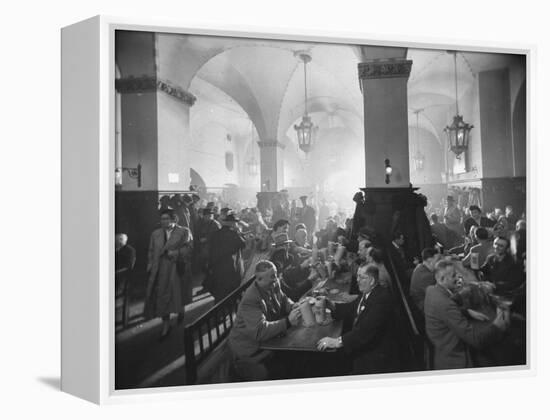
x,y
448,328
264,312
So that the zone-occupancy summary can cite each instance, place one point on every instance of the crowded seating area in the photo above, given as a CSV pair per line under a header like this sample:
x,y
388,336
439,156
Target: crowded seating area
x,y
465,303
290,209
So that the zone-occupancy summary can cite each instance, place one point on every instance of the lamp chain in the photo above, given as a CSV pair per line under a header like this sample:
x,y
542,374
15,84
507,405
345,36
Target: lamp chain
x,y
456,86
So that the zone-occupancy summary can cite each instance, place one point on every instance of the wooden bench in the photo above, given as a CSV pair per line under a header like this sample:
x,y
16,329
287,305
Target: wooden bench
x,y
418,349
207,355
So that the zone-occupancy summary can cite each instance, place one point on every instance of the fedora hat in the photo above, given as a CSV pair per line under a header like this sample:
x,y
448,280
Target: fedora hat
x,y
281,239
231,218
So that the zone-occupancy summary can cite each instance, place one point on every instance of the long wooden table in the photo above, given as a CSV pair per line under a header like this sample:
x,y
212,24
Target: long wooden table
x,y
301,338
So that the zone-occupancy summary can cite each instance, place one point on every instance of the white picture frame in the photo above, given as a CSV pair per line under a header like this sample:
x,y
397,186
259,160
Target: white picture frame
x,y
88,180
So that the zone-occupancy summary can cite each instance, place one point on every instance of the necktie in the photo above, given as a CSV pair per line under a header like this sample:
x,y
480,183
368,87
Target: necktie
x,y
360,308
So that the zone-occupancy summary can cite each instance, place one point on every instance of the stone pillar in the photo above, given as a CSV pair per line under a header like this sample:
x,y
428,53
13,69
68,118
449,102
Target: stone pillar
x,y
271,165
393,206
384,86
154,130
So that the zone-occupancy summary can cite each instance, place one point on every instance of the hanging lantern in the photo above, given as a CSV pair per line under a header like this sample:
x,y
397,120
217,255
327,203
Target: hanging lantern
x,y
305,131
418,161
458,133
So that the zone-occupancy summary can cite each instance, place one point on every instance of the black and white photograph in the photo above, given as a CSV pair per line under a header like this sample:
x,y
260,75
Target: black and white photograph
x,y
291,210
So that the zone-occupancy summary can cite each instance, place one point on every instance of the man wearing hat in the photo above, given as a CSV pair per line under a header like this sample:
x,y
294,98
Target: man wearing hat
x,y
308,217
294,275
206,226
452,216
225,265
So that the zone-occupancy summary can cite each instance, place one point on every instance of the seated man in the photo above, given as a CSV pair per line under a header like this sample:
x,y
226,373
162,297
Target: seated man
x,y
448,328
264,312
280,226
422,277
476,219
294,273
500,269
370,341
478,253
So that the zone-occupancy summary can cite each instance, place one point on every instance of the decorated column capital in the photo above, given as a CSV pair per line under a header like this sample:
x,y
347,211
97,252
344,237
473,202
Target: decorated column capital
x,y
271,143
144,84
385,68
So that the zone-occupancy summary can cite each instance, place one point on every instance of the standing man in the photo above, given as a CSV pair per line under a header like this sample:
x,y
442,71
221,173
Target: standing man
x,y
452,217
225,265
170,247
308,217
448,328
264,312
206,226
370,342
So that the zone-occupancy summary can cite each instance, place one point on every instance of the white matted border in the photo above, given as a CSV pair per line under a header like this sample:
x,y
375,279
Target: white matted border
x,y
107,394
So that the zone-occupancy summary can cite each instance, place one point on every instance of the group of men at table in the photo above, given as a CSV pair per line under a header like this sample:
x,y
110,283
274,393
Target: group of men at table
x,y
266,312
369,339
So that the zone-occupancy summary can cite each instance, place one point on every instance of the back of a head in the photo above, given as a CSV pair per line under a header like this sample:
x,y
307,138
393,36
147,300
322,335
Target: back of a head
x,y
280,223
434,218
441,268
263,266
482,234
428,253
397,235
376,254
372,270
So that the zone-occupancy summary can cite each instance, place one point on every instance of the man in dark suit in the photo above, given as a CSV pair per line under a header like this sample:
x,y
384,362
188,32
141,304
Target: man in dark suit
x,y
476,219
370,340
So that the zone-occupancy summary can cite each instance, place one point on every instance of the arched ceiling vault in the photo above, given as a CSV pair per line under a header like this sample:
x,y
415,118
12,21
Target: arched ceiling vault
x,y
264,79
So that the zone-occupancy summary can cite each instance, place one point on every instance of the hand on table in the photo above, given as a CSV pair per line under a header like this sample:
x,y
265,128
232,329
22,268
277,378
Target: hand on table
x,y
478,315
328,343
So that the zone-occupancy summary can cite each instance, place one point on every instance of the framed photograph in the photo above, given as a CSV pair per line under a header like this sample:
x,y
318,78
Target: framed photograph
x,y
249,209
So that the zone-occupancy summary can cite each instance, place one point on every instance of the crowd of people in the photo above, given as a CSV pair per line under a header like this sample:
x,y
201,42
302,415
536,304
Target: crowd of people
x,y
466,293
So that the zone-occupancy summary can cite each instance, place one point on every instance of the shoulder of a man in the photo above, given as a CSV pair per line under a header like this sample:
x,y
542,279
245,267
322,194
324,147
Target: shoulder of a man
x,y
434,295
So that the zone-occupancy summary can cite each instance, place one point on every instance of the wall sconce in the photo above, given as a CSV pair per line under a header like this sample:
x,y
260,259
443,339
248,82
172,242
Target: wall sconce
x,y
389,170
134,173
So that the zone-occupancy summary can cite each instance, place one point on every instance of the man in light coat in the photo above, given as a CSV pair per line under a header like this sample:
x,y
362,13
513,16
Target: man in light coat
x,y
170,248
264,312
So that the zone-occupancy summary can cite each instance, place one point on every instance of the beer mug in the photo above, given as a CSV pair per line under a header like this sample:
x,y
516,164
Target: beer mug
x,y
320,311
474,261
307,314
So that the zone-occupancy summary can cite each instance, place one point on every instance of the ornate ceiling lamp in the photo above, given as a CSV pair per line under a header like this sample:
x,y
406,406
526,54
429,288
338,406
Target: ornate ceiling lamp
x,y
306,131
458,132
418,158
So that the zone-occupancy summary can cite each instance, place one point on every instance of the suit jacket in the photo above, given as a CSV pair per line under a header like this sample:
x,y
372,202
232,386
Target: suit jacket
x,y
258,319
451,332
370,340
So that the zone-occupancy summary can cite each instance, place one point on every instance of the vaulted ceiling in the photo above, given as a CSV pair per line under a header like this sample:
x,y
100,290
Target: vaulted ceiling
x,y
239,80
